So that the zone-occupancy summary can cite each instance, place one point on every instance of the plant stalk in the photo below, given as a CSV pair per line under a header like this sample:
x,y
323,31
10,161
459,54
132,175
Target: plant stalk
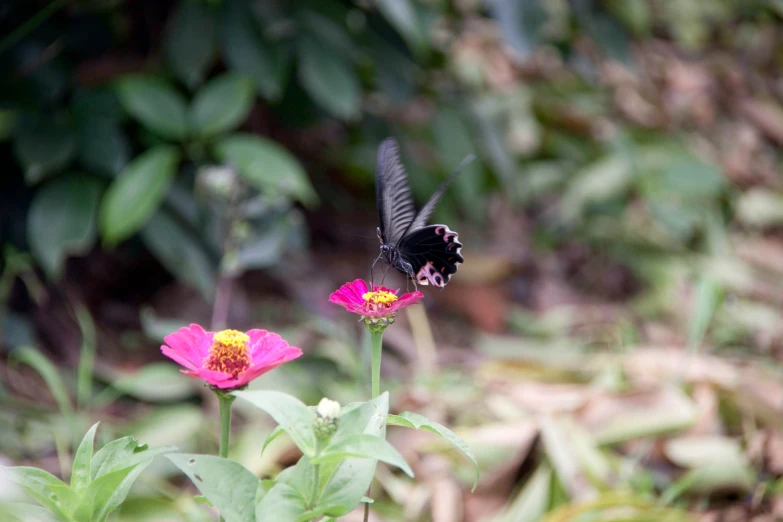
x,y
377,344
225,401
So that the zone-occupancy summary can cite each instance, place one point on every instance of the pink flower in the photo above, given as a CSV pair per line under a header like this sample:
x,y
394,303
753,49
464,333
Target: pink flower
x,y
229,358
379,303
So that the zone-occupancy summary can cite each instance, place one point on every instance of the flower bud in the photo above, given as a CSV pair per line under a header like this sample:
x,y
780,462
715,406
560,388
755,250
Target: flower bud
x,y
326,415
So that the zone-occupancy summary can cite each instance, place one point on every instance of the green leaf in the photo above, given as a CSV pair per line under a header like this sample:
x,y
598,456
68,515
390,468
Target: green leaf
x,y
367,446
228,486
329,79
118,468
349,424
107,492
267,166
348,481
403,16
281,503
690,177
452,138
21,512
80,473
272,436
61,221
598,182
155,104
189,42
289,412
43,145
246,51
301,477
103,147
122,453
419,422
135,195
157,382
50,374
222,104
181,252
40,485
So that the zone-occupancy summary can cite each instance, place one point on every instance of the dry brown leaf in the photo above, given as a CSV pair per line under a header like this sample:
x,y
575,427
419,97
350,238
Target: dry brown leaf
x,y
766,115
549,398
652,365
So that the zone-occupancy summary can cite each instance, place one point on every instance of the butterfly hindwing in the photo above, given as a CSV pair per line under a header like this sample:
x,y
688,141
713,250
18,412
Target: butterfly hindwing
x,y
434,254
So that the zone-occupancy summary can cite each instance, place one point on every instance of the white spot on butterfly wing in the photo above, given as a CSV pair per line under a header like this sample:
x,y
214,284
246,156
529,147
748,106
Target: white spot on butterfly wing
x,y
428,274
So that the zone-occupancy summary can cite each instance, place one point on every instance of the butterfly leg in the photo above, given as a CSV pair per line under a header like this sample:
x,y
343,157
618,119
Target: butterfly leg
x,y
384,274
407,269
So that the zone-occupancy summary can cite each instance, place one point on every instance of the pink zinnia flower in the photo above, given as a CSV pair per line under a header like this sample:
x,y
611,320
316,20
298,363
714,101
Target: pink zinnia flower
x,y
229,358
378,303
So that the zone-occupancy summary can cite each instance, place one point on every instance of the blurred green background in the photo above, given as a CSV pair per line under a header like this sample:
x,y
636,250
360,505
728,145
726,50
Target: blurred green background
x,y
611,347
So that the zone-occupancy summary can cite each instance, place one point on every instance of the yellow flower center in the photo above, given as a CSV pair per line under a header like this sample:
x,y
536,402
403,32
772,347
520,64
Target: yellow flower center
x,y
381,298
228,353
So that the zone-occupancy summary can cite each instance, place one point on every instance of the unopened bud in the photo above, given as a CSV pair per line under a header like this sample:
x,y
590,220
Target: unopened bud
x,y
326,415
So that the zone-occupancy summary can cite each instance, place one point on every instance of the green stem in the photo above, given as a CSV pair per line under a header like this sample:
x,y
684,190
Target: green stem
x,y
316,487
225,422
316,475
225,402
377,344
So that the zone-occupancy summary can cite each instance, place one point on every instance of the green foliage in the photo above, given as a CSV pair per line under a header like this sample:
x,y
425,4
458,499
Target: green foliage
x,y
266,166
362,446
222,104
62,220
247,50
156,104
329,480
290,413
226,485
99,483
190,42
134,196
180,251
328,77
419,422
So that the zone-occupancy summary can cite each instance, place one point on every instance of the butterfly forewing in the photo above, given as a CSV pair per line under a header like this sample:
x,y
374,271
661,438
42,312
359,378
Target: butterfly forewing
x,y
426,211
395,204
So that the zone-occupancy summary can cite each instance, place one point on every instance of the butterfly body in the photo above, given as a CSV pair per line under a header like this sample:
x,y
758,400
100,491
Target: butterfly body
x,y
427,254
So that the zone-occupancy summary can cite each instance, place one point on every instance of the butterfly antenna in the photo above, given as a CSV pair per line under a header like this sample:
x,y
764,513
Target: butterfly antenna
x,y
372,270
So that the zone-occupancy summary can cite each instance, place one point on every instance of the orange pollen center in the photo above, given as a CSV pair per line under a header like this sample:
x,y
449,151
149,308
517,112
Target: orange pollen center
x,y
228,353
379,300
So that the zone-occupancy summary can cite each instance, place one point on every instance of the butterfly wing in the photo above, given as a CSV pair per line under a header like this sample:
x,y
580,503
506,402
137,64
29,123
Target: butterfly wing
x,y
395,204
420,221
433,253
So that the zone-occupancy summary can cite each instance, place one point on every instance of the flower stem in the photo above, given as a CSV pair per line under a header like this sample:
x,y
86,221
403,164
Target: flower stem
x,y
225,401
377,344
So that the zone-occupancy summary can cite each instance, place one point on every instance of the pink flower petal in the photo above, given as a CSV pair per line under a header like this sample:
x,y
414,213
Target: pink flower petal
x,y
177,357
191,343
214,378
270,362
406,300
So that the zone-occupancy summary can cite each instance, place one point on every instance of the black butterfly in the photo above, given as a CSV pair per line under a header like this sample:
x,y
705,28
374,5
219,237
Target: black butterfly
x,y
425,254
